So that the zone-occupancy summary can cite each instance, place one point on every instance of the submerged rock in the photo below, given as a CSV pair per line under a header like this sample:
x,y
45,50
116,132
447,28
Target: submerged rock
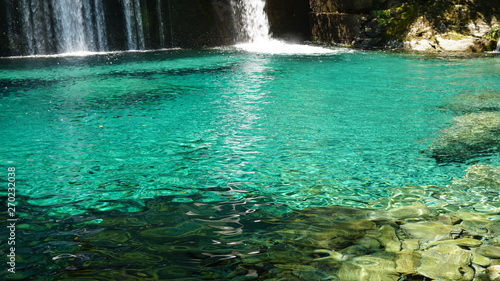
x,y
494,272
417,210
430,231
469,136
368,268
490,252
482,101
479,176
388,238
446,262
464,242
407,262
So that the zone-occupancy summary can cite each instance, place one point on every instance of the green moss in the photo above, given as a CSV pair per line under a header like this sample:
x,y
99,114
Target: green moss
x,y
399,24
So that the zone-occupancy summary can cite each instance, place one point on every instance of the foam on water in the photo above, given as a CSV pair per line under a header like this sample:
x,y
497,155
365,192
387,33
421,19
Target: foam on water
x,y
273,46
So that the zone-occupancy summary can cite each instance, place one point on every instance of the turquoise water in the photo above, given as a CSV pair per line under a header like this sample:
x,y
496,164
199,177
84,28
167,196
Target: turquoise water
x,y
212,137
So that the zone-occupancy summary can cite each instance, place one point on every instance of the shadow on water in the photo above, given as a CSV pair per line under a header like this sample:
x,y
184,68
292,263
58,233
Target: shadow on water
x,y
248,239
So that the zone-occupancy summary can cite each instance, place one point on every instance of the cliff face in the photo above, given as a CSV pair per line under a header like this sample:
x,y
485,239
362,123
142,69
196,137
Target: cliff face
x,y
423,25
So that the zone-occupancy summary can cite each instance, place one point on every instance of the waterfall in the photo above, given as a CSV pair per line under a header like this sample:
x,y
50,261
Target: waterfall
x,y
253,24
498,45
63,26
68,25
161,26
254,29
133,18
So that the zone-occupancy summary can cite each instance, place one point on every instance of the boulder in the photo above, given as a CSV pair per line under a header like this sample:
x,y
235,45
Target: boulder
x,y
446,262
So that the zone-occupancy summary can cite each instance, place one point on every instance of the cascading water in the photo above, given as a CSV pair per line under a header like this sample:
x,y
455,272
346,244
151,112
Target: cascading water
x,y
62,26
254,30
133,18
253,24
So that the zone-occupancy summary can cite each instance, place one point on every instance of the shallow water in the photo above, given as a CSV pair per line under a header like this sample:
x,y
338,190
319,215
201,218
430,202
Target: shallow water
x,y
174,162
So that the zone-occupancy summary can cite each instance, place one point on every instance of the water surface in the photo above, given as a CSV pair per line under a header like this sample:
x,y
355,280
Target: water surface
x,y
191,149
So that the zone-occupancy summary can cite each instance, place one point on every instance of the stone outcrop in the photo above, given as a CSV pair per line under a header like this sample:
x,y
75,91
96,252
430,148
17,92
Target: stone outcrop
x,y
435,26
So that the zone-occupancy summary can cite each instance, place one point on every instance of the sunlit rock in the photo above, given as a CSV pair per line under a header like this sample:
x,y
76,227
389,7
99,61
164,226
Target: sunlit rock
x,y
431,231
388,238
368,268
407,262
446,262
417,210
464,242
479,259
494,272
490,252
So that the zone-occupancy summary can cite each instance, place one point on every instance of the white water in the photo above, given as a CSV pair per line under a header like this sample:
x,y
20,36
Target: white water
x,y
254,31
133,19
498,46
74,26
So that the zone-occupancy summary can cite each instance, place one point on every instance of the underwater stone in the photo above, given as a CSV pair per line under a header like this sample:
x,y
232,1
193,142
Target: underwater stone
x,y
410,244
369,243
417,210
388,238
479,259
490,252
446,262
469,136
407,262
464,242
448,219
427,230
368,268
479,176
483,101
494,272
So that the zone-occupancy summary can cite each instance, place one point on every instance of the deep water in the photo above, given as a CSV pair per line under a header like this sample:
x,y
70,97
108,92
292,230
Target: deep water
x,y
179,165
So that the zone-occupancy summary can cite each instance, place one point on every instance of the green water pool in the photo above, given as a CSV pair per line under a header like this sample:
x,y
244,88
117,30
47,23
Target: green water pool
x,y
96,141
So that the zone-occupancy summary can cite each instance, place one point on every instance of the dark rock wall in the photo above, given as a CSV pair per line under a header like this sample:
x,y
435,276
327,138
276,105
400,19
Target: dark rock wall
x,y
288,19
186,23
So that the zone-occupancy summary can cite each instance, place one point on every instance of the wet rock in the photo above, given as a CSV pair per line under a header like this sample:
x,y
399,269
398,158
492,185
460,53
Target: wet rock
x,y
369,243
464,242
417,210
368,268
469,136
479,259
388,238
490,252
494,272
407,262
446,262
448,219
427,230
410,244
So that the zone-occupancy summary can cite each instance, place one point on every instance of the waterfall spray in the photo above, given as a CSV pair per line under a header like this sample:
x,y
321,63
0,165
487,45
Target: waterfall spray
x,y
254,30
